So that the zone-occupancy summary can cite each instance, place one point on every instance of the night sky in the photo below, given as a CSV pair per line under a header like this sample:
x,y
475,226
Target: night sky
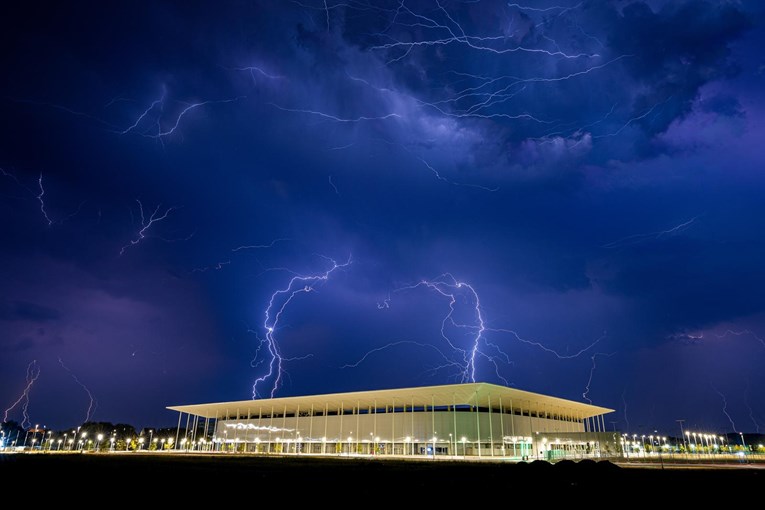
x,y
566,198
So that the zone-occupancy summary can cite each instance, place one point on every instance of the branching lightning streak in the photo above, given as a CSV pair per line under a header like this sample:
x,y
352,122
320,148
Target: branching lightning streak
x,y
255,69
333,186
158,104
217,266
276,306
547,349
546,9
633,119
725,408
258,246
448,286
592,371
190,107
401,342
336,118
473,42
93,402
638,238
742,332
33,372
385,303
146,225
444,179
42,203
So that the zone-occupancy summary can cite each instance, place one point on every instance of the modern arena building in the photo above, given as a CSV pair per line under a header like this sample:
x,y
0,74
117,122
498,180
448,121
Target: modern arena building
x,y
472,420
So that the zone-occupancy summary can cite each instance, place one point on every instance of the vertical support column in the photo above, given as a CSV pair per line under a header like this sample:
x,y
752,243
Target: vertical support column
x,y
341,412
297,429
491,427
512,426
310,430
531,422
478,422
216,431
454,420
236,432
324,438
247,428
432,422
374,426
358,429
270,429
260,425
393,425
178,430
502,424
602,424
412,413
186,432
204,432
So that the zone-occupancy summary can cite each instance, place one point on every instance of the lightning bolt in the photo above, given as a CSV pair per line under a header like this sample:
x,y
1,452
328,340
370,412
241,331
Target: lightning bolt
x,y
639,238
276,306
592,371
464,358
33,372
725,408
146,225
93,402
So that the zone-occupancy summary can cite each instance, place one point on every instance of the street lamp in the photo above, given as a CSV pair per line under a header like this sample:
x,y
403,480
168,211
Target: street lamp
x,y
743,443
140,443
99,438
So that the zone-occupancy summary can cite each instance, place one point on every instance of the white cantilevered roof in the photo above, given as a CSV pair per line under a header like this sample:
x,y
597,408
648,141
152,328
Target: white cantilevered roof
x,y
480,394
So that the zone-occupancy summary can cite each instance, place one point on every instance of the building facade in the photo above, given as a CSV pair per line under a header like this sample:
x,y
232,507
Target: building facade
x,y
475,420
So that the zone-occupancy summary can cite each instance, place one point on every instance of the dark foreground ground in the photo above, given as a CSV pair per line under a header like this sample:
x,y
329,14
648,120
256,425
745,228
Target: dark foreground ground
x,y
188,477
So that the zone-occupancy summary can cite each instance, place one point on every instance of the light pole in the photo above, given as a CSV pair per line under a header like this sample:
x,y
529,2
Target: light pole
x,y
682,435
743,443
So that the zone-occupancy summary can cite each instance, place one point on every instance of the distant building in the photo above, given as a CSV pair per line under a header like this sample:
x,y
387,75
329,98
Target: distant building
x,y
476,420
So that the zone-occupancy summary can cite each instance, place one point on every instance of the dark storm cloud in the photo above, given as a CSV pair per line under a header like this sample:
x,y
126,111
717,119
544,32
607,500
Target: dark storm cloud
x,y
26,311
512,170
675,51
